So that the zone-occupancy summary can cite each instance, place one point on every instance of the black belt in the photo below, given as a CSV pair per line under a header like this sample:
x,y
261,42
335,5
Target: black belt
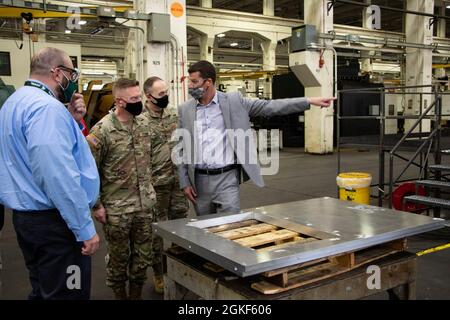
x,y
216,171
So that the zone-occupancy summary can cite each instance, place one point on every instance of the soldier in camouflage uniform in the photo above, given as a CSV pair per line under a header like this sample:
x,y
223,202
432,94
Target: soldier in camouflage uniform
x,y
171,202
121,145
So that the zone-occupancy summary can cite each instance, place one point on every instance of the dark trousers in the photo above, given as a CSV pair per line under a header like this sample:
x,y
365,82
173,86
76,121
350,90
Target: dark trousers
x,y
53,257
2,216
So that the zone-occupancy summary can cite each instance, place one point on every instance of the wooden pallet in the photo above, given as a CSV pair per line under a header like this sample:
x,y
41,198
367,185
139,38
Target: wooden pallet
x,y
258,235
284,279
264,237
230,226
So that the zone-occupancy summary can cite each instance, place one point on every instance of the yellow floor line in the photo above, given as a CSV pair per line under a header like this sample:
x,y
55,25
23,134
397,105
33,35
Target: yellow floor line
x,y
438,248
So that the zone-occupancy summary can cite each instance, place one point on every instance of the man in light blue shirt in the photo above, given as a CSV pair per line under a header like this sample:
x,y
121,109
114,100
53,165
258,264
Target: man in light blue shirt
x,y
49,178
211,139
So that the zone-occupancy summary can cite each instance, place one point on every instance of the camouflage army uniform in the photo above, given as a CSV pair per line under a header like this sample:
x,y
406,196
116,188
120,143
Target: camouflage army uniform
x,y
171,202
123,156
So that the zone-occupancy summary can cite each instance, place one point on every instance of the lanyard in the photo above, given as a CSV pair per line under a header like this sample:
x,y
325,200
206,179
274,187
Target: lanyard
x,y
39,86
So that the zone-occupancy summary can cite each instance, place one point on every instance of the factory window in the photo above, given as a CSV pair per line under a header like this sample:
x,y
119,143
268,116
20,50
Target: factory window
x,y
5,64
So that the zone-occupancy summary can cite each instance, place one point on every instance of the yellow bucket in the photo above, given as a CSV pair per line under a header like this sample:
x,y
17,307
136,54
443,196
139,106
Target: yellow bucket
x,y
354,186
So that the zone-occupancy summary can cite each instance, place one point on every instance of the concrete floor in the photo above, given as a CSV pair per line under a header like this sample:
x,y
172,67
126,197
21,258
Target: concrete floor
x,y
301,176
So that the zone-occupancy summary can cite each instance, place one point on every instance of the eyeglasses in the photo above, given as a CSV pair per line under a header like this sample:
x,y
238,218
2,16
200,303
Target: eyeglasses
x,y
74,73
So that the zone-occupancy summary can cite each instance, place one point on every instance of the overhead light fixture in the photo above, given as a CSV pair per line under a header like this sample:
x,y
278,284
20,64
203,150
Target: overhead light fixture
x,y
448,7
82,22
68,31
221,35
102,60
234,44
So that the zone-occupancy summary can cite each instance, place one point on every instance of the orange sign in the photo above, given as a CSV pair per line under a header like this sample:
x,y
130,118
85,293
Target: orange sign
x,y
177,9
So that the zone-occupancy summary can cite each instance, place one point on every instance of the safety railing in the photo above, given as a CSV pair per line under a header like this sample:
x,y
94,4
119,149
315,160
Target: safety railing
x,y
431,139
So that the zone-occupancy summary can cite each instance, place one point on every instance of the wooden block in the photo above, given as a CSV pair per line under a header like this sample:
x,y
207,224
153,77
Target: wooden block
x,y
290,240
320,269
313,274
399,244
266,287
213,267
301,278
281,246
266,238
176,250
346,260
247,231
372,254
280,279
233,225
276,272
380,251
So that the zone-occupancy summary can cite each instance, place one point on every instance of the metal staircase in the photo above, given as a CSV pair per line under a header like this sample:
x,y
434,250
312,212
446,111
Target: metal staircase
x,y
434,184
434,189
429,201
417,148
433,178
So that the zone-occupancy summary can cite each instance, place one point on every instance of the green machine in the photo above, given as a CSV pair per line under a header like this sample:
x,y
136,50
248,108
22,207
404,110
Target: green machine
x,y
5,92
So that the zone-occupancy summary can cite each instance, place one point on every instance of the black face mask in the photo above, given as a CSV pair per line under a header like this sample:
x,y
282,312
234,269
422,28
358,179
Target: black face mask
x,y
161,102
134,108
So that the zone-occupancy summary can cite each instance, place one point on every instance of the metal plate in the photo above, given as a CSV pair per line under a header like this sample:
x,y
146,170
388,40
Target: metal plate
x,y
343,226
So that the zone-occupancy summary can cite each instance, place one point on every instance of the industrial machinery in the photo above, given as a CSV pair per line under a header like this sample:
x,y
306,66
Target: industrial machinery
x,y
99,100
291,126
359,104
5,91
